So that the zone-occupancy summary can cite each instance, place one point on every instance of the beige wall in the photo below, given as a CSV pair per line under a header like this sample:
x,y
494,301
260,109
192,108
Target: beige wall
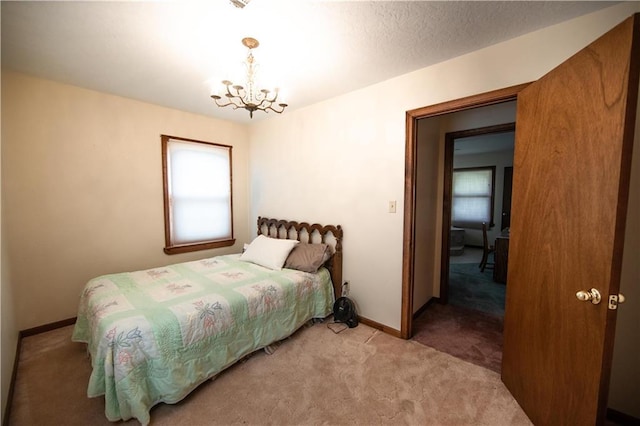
x,y
8,328
82,188
429,153
347,153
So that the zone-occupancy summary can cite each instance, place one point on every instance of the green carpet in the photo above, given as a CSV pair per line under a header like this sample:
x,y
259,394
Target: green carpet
x,y
472,289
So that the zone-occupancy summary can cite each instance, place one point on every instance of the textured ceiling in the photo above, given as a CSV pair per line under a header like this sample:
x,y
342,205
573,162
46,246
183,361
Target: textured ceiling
x,y
167,52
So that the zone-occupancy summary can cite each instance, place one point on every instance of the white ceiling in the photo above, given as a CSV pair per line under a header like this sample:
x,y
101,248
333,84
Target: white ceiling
x,y
483,144
166,52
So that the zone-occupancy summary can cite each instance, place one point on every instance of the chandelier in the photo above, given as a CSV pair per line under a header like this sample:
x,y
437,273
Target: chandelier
x,y
240,3
249,97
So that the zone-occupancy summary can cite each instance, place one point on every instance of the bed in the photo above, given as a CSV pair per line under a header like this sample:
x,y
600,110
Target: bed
x,y
155,335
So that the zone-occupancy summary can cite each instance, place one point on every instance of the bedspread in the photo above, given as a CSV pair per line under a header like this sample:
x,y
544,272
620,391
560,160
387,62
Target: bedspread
x,y
155,335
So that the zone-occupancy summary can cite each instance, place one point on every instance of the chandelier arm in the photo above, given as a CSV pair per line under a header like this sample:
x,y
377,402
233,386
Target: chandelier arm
x,y
264,103
240,93
272,100
235,106
266,96
274,110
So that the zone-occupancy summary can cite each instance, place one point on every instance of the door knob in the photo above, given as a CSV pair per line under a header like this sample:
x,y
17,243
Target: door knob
x,y
592,296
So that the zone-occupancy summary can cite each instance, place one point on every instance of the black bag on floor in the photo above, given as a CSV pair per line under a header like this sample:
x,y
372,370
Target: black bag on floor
x,y
344,311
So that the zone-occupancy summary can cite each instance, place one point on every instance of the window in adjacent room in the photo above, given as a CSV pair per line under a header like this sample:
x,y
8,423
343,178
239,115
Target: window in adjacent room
x,y
472,201
198,211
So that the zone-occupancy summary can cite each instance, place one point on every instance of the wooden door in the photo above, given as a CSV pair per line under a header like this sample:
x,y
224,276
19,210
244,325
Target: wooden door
x,y
574,135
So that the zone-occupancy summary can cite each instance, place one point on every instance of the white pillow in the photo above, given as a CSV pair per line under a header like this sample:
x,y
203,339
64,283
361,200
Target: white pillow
x,y
268,252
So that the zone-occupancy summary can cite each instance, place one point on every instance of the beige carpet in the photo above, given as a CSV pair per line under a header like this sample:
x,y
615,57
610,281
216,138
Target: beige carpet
x,y
361,376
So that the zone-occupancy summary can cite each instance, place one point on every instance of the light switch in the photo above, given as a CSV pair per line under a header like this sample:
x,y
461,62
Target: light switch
x,y
392,206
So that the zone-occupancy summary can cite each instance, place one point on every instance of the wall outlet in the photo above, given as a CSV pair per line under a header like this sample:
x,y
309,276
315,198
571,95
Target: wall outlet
x,y
345,288
392,206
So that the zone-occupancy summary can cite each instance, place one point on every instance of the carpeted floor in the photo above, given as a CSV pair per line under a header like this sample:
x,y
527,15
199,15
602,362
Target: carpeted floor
x,y
472,289
467,334
470,326
358,377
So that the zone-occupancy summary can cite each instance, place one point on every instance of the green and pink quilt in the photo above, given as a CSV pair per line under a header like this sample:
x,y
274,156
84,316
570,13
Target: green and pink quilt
x,y
155,335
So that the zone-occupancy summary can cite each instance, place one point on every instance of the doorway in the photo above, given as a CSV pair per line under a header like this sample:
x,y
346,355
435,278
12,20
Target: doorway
x,y
468,320
481,159
414,222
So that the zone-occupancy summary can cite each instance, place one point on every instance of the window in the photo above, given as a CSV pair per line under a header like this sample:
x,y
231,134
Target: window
x,y
198,212
472,201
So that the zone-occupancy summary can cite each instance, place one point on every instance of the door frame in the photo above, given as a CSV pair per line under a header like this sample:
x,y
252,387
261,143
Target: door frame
x,y
447,199
507,189
411,144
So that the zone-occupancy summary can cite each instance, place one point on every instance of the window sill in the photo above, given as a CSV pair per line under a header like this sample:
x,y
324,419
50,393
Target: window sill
x,y
186,248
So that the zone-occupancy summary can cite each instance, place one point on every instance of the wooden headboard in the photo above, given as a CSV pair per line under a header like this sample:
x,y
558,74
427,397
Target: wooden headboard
x,y
307,233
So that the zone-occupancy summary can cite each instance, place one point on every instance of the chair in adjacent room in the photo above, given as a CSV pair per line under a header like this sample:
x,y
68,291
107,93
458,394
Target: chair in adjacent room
x,y
486,250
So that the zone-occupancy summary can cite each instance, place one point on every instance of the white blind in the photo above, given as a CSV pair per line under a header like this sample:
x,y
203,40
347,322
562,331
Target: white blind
x,y
199,191
472,194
